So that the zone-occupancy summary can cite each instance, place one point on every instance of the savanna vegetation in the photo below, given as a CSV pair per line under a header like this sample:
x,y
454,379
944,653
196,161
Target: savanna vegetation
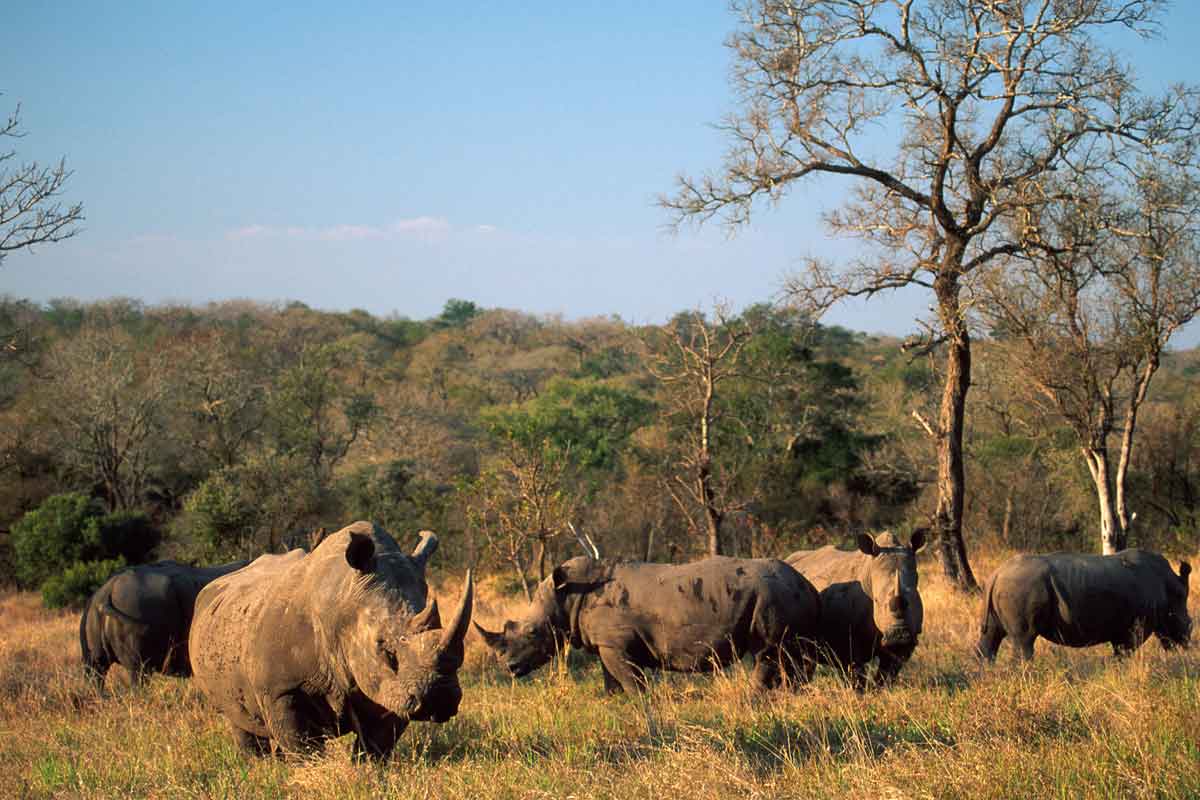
x,y
1049,208
208,434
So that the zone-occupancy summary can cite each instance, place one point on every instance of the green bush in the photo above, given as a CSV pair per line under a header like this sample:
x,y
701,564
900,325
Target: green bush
x,y
74,585
61,531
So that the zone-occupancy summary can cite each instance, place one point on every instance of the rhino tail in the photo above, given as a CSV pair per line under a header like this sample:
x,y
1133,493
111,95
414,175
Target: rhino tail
x,y
95,664
990,630
109,610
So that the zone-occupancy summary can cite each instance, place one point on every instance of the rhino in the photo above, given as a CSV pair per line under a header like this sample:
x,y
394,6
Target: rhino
x,y
140,617
870,606
682,618
1082,600
300,647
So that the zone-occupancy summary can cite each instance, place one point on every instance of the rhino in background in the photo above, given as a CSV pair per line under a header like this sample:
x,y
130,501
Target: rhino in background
x,y
683,618
140,618
1083,600
870,604
299,647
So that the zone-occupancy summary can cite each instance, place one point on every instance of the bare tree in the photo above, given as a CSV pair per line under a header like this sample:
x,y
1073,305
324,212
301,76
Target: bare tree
x,y
521,503
692,358
104,403
30,213
1087,315
985,98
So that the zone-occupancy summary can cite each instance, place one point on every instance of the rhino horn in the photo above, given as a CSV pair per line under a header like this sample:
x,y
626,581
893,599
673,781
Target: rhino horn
x,y
451,646
425,548
428,620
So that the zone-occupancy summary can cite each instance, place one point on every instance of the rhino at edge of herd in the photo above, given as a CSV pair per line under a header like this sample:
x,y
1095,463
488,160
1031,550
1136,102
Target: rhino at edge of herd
x,y
140,618
1082,600
300,647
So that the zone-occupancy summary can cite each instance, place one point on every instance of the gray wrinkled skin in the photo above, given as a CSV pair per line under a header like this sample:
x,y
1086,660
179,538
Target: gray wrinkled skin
x,y
683,618
299,647
1083,600
140,619
870,603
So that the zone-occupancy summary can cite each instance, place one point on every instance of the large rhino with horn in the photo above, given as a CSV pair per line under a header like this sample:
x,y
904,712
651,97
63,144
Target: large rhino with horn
x,y
678,617
870,605
299,647
1082,600
140,618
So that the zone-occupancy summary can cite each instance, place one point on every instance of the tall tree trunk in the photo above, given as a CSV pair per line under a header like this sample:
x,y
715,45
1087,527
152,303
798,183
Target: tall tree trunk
x,y
708,497
712,515
1137,396
1006,528
1112,532
948,517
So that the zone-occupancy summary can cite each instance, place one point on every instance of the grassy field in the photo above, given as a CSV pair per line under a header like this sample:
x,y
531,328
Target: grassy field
x,y
1074,724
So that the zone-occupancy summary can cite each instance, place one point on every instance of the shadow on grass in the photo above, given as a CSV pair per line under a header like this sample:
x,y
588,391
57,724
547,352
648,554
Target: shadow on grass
x,y
774,744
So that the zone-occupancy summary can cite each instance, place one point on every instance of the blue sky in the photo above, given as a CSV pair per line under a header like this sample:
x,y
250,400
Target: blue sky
x,y
389,156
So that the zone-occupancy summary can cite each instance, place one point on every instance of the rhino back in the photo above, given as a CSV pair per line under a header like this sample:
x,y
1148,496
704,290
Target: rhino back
x,y
828,565
683,613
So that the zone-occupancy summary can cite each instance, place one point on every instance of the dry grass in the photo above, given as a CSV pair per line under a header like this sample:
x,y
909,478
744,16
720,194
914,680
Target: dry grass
x,y
1074,724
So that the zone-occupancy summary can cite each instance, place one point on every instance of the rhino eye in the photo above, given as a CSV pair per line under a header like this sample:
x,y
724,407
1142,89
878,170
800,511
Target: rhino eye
x,y
392,662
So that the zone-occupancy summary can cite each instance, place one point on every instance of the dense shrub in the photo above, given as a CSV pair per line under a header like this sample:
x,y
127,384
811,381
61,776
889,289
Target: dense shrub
x,y
61,531
68,542
74,585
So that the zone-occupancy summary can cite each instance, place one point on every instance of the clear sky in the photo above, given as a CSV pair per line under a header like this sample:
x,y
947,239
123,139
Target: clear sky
x,y
389,156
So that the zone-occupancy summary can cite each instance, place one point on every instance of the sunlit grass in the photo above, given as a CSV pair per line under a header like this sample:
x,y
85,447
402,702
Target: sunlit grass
x,y
1071,724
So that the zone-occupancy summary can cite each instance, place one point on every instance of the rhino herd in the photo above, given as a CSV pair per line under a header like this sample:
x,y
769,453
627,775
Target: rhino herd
x,y
293,649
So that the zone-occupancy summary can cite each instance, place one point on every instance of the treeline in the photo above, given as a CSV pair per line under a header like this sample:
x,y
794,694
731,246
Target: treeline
x,y
132,432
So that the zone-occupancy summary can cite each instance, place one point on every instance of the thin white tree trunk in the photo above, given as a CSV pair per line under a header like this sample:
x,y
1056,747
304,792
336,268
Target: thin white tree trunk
x,y
1112,534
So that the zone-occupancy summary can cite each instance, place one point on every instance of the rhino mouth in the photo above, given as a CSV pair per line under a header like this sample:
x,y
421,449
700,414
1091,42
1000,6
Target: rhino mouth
x,y
519,670
897,637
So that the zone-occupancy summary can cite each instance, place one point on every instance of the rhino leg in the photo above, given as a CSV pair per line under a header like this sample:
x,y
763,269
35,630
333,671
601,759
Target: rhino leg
x,y
1131,641
631,679
856,674
1024,642
767,672
374,737
95,669
249,743
989,642
611,684
287,723
889,669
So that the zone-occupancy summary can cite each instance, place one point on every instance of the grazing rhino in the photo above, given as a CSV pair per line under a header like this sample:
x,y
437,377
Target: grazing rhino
x,y
140,619
1083,600
870,606
683,618
299,647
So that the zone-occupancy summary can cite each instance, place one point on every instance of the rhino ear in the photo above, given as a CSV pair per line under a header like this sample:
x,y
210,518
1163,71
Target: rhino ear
x,y
360,552
494,641
425,548
867,545
559,578
917,543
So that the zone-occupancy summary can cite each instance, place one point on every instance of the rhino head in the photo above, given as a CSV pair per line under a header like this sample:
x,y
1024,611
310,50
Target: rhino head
x,y
891,581
405,663
529,643
1175,626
